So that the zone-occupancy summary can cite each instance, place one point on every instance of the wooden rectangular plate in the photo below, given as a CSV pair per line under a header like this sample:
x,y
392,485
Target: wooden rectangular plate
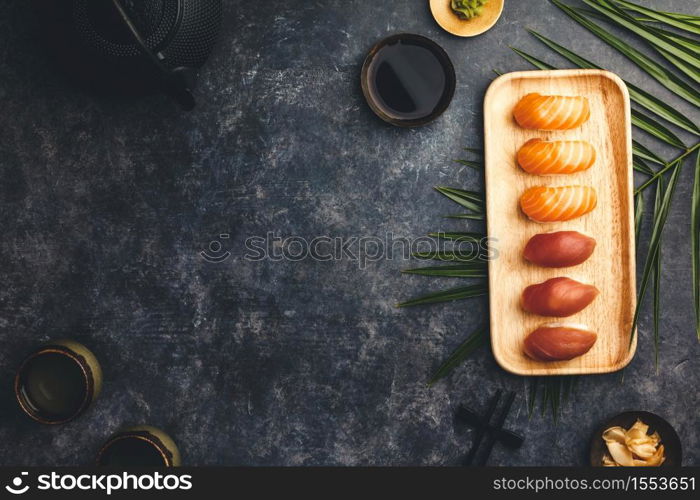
x,y
611,268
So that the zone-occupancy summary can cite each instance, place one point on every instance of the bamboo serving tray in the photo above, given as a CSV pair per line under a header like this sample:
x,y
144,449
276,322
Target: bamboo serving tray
x,y
611,268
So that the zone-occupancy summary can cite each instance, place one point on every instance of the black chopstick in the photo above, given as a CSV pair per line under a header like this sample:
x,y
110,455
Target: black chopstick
x,y
508,438
499,426
482,429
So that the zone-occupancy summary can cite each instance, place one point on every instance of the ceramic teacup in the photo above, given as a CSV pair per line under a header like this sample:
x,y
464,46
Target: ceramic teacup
x,y
139,446
58,381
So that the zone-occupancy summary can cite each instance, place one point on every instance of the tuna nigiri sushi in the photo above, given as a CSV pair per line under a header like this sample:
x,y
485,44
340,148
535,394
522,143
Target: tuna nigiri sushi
x,y
551,112
556,157
559,249
559,342
558,297
553,204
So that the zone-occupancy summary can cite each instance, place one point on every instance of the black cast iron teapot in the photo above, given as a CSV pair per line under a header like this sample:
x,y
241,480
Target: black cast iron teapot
x,y
133,46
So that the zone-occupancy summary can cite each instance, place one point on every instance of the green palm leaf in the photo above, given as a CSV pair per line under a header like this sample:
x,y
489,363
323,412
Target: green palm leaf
x,y
532,396
448,256
458,236
459,293
659,221
688,70
689,43
675,20
533,60
477,339
470,270
471,164
655,129
564,52
466,216
695,237
648,65
642,152
476,151
681,55
661,109
657,307
658,41
642,19
640,166
554,391
555,395
667,166
638,216
656,270
468,199
676,15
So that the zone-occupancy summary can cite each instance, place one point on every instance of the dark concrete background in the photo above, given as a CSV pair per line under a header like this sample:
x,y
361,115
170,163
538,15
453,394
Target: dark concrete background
x,y
105,204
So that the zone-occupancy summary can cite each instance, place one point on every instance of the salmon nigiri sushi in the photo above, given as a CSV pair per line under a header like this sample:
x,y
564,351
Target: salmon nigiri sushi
x,y
554,204
551,112
555,157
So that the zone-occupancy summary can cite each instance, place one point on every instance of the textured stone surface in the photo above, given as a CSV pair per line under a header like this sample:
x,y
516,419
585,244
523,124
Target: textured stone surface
x,y
106,203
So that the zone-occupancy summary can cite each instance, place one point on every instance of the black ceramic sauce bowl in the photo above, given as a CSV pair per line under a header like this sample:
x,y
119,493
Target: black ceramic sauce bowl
x,y
408,80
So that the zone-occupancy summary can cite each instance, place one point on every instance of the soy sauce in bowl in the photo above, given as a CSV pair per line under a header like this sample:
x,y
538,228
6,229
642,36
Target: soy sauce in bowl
x,y
408,80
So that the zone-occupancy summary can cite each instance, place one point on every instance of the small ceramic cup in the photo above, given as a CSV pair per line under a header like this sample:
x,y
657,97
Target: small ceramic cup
x,y
57,382
139,446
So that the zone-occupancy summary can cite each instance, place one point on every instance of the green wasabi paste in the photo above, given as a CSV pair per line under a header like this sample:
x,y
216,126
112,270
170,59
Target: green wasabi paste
x,y
468,9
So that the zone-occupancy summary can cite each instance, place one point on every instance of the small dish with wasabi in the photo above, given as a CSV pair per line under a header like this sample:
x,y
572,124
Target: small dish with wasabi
x,y
466,18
